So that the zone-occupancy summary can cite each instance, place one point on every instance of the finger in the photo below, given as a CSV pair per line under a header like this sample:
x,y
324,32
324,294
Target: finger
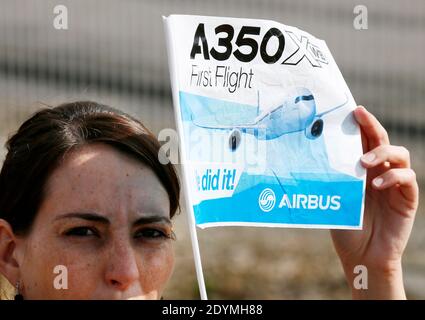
x,y
374,131
365,143
404,177
397,156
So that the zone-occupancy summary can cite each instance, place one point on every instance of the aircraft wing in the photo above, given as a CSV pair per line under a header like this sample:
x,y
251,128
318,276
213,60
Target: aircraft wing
x,y
333,108
226,127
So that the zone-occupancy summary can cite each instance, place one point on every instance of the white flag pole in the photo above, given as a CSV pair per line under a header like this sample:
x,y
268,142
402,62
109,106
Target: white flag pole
x,y
187,195
195,243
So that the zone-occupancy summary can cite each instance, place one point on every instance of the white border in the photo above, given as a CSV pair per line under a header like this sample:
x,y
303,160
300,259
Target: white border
x,y
276,225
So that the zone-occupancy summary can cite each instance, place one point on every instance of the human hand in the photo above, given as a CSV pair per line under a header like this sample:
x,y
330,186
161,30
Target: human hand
x,y
391,202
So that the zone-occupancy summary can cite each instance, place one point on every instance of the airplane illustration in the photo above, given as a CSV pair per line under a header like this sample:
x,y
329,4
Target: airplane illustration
x,y
296,113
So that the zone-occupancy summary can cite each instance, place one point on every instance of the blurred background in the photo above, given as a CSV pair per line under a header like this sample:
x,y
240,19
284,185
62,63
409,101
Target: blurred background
x,y
114,52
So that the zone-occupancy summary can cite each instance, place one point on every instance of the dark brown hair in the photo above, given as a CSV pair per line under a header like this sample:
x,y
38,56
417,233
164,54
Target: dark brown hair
x,y
43,140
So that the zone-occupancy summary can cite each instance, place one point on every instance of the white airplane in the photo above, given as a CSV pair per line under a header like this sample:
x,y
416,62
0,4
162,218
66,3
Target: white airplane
x,y
296,113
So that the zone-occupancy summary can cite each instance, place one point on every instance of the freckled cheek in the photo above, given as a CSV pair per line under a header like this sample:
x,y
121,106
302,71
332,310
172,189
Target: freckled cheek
x,y
38,274
158,265
82,270
83,277
33,272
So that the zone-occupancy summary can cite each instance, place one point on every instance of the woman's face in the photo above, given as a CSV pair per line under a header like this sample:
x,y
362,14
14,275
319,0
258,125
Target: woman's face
x,y
105,218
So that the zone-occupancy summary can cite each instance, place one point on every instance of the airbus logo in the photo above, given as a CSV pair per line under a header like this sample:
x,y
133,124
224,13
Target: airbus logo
x,y
267,200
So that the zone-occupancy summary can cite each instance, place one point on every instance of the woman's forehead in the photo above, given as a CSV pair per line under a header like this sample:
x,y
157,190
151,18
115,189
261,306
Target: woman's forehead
x,y
100,178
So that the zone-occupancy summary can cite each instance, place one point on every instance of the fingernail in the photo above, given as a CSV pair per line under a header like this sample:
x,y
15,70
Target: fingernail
x,y
378,181
360,115
369,157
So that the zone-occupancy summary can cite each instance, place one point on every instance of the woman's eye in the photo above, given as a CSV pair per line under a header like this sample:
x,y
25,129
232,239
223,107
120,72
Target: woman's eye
x,y
81,232
150,233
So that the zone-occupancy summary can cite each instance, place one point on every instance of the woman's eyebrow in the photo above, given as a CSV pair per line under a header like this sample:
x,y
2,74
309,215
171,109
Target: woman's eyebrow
x,y
152,219
86,216
102,219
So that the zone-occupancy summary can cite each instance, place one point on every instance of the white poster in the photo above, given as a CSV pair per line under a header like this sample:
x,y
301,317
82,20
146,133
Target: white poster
x,y
266,127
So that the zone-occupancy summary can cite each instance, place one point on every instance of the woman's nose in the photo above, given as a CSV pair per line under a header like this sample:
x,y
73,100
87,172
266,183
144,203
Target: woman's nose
x,y
122,269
